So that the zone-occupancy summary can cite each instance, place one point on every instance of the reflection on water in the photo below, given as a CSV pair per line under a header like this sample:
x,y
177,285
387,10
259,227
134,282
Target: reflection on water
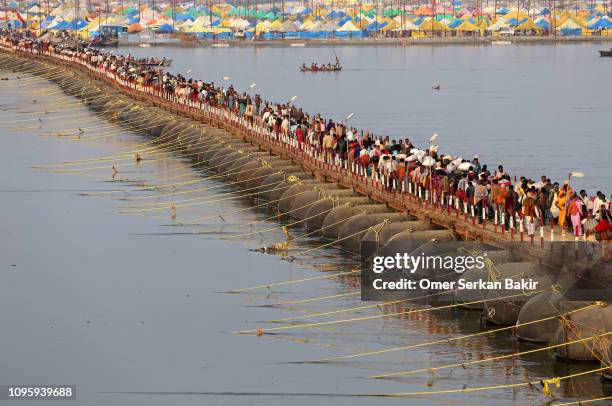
x,y
131,308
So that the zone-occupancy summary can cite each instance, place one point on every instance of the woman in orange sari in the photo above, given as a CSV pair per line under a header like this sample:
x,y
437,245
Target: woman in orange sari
x,y
562,200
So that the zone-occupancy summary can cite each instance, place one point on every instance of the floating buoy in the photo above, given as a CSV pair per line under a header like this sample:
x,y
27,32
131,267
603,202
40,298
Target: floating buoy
x,y
587,323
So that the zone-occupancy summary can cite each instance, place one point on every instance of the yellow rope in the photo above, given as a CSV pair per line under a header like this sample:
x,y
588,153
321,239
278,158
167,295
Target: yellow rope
x,y
318,230
314,278
507,386
365,230
194,221
583,402
379,316
463,364
90,168
448,340
281,227
272,218
182,192
204,202
164,205
313,299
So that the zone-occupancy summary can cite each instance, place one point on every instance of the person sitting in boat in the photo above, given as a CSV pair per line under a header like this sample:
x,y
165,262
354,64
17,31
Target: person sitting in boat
x,y
304,67
314,66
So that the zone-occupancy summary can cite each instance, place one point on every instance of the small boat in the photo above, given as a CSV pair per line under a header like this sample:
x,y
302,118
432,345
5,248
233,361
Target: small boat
x,y
603,52
104,42
501,43
321,69
297,44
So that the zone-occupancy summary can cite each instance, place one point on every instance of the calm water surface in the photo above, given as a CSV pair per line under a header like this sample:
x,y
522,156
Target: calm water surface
x,y
131,309
537,109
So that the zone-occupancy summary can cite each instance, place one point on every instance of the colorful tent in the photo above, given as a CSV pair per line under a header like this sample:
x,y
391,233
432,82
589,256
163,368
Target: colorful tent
x,y
433,25
165,29
528,25
348,26
467,26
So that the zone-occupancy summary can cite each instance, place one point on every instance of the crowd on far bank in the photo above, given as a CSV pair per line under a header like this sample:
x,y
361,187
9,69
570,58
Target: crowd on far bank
x,y
488,194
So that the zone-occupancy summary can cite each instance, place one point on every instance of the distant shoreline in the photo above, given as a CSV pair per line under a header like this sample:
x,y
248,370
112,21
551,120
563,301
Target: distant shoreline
x,y
396,42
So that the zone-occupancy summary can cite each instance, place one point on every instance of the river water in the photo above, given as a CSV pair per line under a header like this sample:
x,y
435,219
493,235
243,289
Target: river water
x,y
132,310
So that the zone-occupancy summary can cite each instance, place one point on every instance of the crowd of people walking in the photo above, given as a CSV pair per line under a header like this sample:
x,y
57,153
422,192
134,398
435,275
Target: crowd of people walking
x,y
441,179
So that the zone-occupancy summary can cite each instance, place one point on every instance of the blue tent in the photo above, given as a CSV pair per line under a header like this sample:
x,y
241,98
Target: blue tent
x,y
455,23
183,17
513,22
343,21
336,14
543,24
545,11
45,23
376,26
315,35
571,31
601,24
503,10
351,34
165,29
76,24
62,25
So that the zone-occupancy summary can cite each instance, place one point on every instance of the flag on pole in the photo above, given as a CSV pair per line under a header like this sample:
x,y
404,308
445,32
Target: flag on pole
x,y
20,18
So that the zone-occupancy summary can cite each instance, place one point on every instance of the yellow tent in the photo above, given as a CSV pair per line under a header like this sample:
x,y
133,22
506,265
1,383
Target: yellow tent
x,y
306,25
528,25
264,26
393,25
348,26
276,24
576,20
217,30
433,25
466,26
197,28
518,15
482,24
